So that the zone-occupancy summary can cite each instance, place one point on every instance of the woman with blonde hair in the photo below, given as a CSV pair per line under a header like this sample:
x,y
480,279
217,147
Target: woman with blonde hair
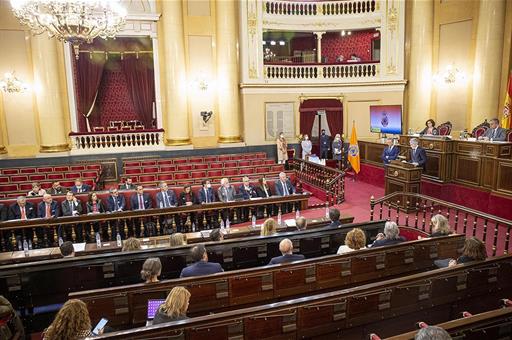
x,y
72,322
131,244
175,306
282,149
269,227
354,240
440,226
151,270
178,239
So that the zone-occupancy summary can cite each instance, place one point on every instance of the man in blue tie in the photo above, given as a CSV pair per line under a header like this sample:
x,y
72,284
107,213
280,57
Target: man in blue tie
x,y
115,202
390,152
418,155
166,198
283,186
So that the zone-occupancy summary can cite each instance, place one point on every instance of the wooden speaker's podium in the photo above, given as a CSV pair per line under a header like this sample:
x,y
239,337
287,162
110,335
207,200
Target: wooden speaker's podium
x,y
403,177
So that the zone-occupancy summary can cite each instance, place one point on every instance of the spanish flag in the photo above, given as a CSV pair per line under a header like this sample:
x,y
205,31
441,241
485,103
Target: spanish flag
x,y
353,150
506,121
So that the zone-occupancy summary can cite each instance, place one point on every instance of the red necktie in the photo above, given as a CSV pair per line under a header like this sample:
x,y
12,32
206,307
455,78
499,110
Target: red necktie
x,y
23,214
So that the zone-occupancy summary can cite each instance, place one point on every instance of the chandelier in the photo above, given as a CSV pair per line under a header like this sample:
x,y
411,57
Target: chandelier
x,y
74,21
11,84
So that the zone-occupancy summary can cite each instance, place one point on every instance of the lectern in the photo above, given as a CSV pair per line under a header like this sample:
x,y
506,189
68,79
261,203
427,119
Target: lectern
x,y
403,177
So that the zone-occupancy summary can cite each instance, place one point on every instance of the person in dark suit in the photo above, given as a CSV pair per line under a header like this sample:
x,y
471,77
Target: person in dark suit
x,y
4,212
95,204
334,216
390,236
206,194
115,202
286,248
201,265
430,128
283,186
495,132
390,152
325,145
226,191
71,206
166,198
187,196
141,200
56,189
418,155
22,210
263,190
246,189
80,186
48,208
127,185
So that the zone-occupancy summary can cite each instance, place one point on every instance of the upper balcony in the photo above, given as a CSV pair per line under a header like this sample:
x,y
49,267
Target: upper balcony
x,y
270,54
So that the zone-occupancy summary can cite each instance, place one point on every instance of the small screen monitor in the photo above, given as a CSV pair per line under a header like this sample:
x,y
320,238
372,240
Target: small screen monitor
x,y
386,119
153,308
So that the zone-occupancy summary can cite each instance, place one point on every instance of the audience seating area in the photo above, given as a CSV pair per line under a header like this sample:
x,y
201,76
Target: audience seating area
x,y
18,181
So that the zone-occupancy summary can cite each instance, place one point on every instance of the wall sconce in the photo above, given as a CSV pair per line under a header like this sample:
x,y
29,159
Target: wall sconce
x,y
11,84
450,75
200,83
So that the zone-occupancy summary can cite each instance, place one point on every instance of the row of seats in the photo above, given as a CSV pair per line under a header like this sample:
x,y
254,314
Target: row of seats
x,y
17,189
195,159
48,169
54,176
158,168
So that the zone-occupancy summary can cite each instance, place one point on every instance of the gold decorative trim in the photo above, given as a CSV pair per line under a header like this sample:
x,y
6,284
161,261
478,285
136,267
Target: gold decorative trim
x,y
302,98
3,149
230,139
177,141
54,148
398,82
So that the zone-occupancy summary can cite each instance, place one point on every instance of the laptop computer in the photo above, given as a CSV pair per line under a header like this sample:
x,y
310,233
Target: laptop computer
x,y
153,308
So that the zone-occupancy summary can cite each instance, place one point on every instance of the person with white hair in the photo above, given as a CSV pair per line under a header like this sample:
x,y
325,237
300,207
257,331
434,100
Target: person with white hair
x,y
432,333
226,191
286,248
418,154
283,186
391,235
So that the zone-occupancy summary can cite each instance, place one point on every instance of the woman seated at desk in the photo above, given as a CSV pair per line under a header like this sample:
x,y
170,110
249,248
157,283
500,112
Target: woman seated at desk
x,y
430,128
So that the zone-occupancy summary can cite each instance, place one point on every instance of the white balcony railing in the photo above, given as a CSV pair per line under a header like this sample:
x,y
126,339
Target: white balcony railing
x,y
308,73
116,141
326,8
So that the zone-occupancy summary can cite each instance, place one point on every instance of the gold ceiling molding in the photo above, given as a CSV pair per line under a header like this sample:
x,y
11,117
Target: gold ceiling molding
x,y
303,97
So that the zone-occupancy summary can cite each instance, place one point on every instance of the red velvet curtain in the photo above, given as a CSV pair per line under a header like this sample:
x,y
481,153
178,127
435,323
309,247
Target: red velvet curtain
x,y
89,71
307,119
335,121
140,79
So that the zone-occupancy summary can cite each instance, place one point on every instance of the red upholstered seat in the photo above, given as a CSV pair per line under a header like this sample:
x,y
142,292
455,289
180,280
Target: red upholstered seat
x,y
150,170
262,169
167,168
4,179
9,187
184,167
509,136
249,156
181,160
45,169
223,158
61,168
147,178
203,166
133,171
28,171
278,167
72,175
21,178
257,162
230,172
89,174
261,155
445,129
244,163
67,184
480,131
209,159
198,174
216,165
46,185
195,160
230,164
55,176
37,177
10,171
77,167
165,177
181,176
165,162
148,162
236,157
215,173
269,162
245,171
130,164
93,167
25,187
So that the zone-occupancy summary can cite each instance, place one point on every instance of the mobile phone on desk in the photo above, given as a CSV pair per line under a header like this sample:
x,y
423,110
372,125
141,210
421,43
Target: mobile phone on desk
x,y
100,326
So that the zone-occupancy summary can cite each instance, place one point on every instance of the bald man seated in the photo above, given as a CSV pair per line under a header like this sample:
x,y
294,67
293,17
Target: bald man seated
x,y
286,248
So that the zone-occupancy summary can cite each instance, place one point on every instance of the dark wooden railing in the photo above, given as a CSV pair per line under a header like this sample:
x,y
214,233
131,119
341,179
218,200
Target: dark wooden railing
x,y
492,230
330,180
140,223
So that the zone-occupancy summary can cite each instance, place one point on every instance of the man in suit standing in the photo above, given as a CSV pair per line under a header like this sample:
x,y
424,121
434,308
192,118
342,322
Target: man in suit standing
x,y
22,210
56,189
418,155
141,200
283,186
127,185
48,208
166,198
71,206
495,132
286,248
206,194
325,145
80,186
201,265
246,189
115,202
390,152
226,192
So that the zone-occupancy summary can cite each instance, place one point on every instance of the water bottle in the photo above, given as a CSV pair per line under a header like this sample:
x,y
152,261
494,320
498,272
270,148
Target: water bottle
x,y
61,241
228,224
253,221
20,245
193,227
222,224
25,247
98,240
279,219
119,240
297,214
29,244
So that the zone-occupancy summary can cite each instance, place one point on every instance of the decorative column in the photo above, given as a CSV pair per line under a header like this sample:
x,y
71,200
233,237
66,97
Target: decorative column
x,y
488,55
49,91
176,110
319,46
227,71
420,66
